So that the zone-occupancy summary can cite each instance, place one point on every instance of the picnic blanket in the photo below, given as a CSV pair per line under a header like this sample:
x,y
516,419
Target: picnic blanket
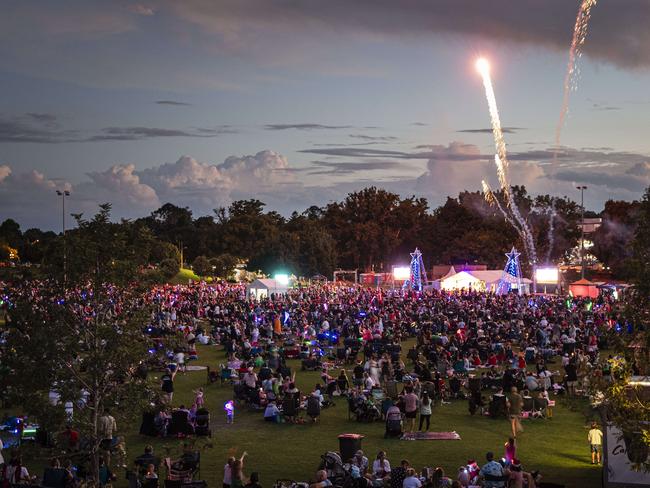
x,y
430,436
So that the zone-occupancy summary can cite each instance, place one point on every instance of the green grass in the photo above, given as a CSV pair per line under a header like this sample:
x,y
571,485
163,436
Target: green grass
x,y
556,447
183,275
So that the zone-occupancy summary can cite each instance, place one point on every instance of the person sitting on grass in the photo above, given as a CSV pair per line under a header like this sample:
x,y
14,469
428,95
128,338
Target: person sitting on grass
x,y
272,413
381,467
321,480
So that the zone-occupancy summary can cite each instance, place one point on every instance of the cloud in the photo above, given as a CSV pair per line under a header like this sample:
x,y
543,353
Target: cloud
x,y
304,126
506,130
124,186
373,138
173,102
139,133
141,9
351,167
604,108
606,180
33,128
618,33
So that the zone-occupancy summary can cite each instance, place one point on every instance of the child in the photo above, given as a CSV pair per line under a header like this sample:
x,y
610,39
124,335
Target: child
x,y
511,450
595,438
229,407
198,398
120,451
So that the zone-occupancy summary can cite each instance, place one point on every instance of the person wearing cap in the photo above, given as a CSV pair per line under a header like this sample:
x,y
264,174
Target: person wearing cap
x,y
360,461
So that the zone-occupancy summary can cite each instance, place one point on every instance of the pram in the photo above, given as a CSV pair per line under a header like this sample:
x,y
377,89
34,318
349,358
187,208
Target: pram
x,y
336,472
202,422
393,422
180,424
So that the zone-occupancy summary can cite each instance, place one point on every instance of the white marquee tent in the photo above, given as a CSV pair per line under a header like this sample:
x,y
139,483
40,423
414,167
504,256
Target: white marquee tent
x,y
264,287
483,280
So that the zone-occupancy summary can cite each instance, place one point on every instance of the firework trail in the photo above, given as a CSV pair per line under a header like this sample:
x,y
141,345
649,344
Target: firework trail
x,y
551,230
501,159
492,199
571,78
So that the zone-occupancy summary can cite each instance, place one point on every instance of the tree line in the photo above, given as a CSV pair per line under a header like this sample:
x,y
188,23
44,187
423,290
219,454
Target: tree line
x,y
370,230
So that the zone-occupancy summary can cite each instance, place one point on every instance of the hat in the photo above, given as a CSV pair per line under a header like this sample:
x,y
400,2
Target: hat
x,y
359,453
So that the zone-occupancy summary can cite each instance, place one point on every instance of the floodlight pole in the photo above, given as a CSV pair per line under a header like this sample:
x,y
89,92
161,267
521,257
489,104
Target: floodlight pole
x,y
63,194
582,189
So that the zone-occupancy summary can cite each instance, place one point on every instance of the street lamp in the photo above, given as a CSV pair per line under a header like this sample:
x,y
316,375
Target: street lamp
x,y
582,189
63,194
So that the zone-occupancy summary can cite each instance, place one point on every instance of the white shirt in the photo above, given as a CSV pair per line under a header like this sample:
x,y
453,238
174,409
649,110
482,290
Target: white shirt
x,y
411,482
377,466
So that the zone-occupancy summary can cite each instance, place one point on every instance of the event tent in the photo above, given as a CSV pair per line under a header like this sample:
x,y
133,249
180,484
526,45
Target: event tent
x,y
584,288
483,280
264,287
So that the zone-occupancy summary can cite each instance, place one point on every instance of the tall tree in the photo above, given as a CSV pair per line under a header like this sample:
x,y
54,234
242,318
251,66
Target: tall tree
x,y
84,337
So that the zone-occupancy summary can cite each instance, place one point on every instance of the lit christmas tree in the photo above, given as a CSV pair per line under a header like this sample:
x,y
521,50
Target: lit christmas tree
x,y
418,277
511,277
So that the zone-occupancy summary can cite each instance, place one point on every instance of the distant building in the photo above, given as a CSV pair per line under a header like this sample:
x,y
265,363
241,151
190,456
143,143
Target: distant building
x,y
590,225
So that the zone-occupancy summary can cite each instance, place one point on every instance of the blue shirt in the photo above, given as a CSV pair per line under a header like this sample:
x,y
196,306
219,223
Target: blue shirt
x,y
492,468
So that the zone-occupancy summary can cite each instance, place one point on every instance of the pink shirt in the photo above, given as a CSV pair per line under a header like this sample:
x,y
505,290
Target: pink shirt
x,y
410,402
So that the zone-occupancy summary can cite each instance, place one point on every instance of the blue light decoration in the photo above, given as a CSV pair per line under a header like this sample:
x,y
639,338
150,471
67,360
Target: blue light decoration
x,y
511,276
418,277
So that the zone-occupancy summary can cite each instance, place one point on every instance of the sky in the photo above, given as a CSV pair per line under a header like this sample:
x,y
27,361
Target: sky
x,y
201,102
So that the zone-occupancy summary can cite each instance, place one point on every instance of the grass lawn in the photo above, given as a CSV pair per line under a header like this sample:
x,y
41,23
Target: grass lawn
x,y
183,275
556,447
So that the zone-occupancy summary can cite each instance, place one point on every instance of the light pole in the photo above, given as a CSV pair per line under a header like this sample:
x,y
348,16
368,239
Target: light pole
x,y
63,194
582,189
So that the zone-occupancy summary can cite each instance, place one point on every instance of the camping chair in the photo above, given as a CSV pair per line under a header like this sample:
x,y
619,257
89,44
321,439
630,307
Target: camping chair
x,y
289,407
180,424
213,376
529,404
313,407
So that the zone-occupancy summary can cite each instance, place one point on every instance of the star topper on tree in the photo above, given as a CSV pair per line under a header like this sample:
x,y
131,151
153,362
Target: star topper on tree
x,y
511,276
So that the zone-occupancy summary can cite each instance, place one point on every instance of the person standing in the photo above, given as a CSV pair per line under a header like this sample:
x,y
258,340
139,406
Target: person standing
x,y
595,438
515,404
410,407
425,411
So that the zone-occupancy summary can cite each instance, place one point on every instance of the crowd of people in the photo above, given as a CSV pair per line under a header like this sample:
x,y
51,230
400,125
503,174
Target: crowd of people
x,y
522,350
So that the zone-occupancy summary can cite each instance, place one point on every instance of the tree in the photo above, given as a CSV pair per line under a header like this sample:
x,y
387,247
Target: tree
x,y
613,239
201,266
626,404
84,337
224,265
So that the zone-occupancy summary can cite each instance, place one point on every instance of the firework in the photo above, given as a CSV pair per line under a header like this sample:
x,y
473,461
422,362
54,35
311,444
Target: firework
x,y
492,200
571,78
501,161
551,230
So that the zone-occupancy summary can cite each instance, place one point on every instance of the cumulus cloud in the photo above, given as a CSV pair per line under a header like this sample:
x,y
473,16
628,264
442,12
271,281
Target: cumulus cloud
x,y
269,177
122,182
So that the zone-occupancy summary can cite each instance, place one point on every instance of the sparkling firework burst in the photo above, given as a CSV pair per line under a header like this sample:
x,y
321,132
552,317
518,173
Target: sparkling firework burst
x,y
501,162
571,78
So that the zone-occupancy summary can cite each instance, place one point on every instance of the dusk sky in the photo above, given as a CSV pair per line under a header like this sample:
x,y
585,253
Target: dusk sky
x,y
296,103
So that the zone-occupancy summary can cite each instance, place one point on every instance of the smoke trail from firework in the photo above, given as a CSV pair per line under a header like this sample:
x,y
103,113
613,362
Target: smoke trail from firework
x,y
571,78
492,200
551,230
501,159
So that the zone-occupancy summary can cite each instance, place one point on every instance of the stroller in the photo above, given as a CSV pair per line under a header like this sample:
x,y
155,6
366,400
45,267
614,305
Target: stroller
x,y
393,422
336,472
202,426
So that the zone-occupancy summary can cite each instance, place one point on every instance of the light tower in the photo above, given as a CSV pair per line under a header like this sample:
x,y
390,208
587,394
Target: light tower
x,y
418,277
